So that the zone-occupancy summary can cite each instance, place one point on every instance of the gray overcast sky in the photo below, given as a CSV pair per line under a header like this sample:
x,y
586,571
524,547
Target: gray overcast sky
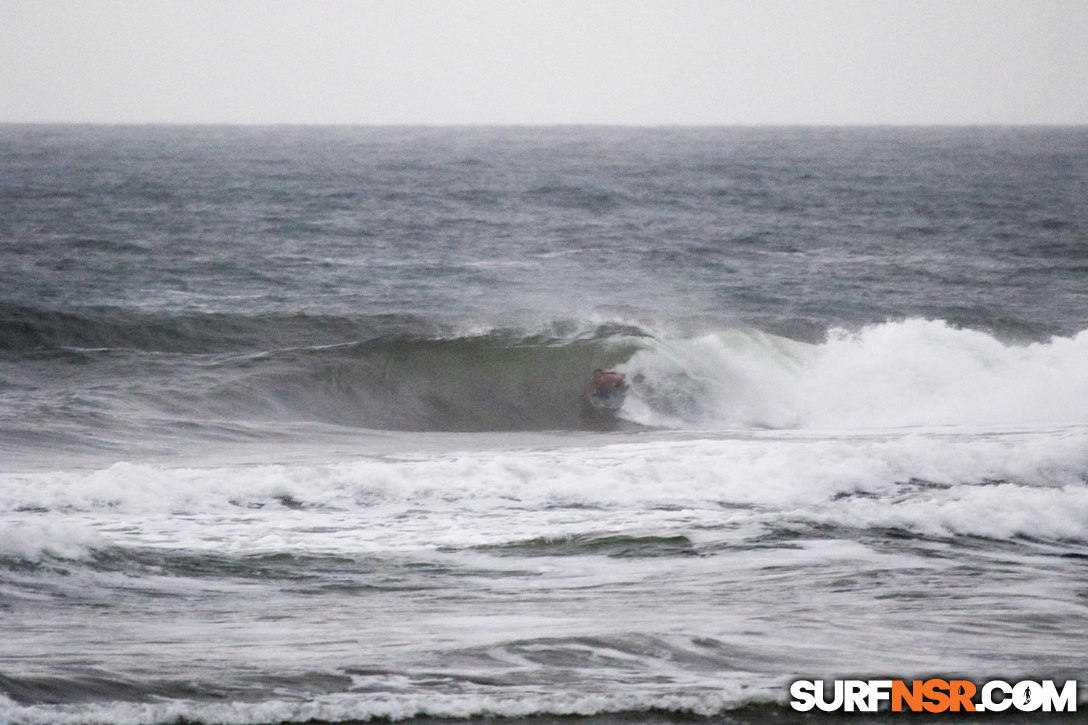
x,y
545,61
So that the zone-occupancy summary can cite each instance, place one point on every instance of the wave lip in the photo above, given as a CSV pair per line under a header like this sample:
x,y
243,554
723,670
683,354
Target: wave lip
x,y
42,330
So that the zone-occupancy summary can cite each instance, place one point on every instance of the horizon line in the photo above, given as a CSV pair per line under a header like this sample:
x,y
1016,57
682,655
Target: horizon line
x,y
487,124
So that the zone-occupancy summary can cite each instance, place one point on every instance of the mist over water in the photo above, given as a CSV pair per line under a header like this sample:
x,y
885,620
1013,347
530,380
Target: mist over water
x,y
293,426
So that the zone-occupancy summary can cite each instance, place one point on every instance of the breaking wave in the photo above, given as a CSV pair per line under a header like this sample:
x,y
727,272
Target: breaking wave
x,y
403,373
896,374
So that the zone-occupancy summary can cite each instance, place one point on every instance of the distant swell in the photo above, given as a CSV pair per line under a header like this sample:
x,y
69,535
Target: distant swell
x,y
24,329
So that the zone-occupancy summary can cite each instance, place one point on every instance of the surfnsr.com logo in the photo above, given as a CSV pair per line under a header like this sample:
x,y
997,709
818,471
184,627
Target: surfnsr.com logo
x,y
933,695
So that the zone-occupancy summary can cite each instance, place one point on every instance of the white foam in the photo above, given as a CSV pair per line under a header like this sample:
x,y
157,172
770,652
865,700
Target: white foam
x,y
920,372
908,373
650,485
704,701
996,511
37,538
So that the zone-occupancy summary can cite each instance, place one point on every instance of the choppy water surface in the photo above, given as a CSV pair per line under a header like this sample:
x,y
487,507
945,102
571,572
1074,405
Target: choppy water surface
x,y
292,428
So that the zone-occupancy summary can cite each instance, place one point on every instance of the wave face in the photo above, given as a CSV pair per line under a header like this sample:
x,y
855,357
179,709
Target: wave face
x,y
491,382
120,369
395,378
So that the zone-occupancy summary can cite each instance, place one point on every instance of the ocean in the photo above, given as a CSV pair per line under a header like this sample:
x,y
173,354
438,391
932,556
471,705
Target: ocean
x,y
293,426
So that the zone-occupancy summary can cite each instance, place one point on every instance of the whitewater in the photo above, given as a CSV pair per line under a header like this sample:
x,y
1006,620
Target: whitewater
x,y
292,422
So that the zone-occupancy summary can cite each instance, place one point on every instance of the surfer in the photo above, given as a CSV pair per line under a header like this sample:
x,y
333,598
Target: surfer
x,y
608,383
606,392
